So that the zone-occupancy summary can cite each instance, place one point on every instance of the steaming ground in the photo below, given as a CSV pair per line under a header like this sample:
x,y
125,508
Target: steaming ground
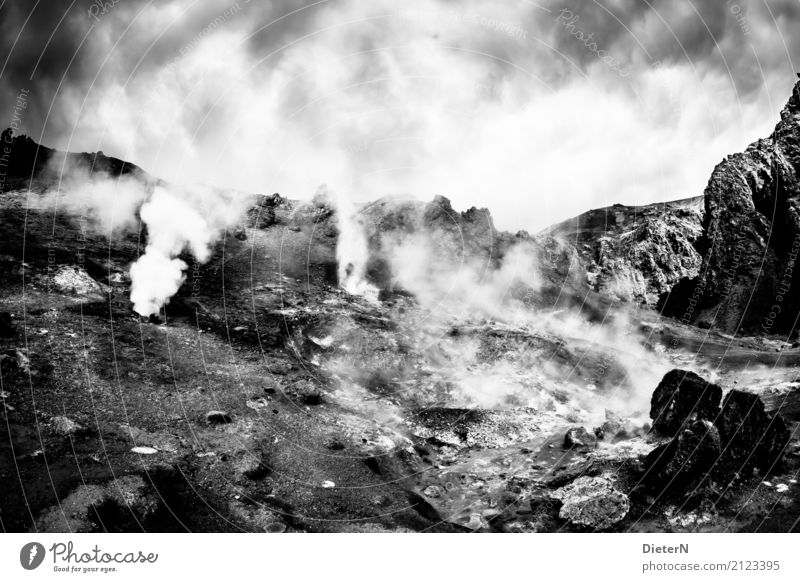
x,y
265,397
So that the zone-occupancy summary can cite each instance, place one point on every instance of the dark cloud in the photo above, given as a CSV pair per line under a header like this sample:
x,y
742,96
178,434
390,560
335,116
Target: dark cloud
x,y
209,89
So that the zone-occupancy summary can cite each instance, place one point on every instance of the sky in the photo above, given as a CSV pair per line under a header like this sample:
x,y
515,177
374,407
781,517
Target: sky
x,y
535,110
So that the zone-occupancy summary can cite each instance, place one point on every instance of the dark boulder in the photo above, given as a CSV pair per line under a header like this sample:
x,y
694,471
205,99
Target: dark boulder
x,y
683,396
711,445
217,417
6,325
682,464
751,437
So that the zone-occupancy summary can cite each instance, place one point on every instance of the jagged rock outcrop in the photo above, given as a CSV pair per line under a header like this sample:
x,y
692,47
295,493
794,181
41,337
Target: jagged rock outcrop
x,y
681,396
751,437
636,253
450,237
711,443
751,238
683,464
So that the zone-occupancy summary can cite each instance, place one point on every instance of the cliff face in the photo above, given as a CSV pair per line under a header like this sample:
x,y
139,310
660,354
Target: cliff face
x,y
636,253
751,238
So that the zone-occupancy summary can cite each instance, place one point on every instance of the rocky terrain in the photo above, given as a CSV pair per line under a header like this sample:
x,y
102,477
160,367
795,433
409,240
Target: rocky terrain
x,y
636,253
751,238
474,381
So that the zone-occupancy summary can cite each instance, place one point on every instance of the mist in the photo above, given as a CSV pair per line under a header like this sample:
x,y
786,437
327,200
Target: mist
x,y
469,101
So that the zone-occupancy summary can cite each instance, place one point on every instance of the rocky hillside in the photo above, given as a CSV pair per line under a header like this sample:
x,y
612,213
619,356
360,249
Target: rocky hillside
x,y
635,253
467,396
751,238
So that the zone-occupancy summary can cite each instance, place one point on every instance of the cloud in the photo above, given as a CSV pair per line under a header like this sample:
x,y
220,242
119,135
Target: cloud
x,y
498,106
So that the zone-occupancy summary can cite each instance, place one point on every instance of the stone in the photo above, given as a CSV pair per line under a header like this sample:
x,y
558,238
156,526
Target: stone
x,y
65,426
251,466
613,428
306,391
684,462
750,436
579,437
635,253
433,491
130,499
683,396
72,280
749,242
217,417
6,325
592,502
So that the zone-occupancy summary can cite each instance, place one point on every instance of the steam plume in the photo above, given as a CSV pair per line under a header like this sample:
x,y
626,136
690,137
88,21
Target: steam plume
x,y
176,223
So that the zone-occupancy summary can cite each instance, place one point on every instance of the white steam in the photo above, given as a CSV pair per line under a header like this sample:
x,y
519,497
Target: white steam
x,y
352,251
176,220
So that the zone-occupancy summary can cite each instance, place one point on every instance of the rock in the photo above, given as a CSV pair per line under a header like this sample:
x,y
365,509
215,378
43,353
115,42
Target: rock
x,y
683,396
6,325
433,491
127,503
684,462
563,474
305,391
751,437
750,238
579,437
65,426
217,417
636,253
467,427
252,466
592,502
72,280
279,367
13,364
614,428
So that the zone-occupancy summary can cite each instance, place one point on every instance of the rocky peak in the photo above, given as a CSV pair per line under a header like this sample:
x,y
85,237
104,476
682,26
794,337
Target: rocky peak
x,y
793,106
751,238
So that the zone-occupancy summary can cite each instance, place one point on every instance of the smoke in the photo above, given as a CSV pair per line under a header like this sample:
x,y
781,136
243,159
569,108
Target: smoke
x,y
466,100
472,336
352,251
179,219
463,284
107,205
